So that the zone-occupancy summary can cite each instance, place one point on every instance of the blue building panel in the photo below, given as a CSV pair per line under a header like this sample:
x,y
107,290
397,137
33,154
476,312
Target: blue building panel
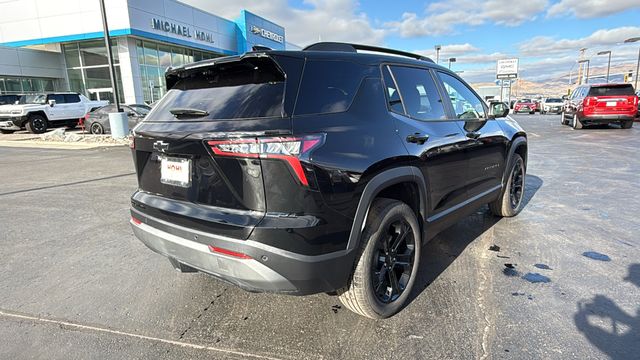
x,y
255,30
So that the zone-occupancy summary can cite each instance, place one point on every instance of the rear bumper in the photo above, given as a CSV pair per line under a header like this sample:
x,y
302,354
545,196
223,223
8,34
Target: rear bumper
x,y
605,119
268,270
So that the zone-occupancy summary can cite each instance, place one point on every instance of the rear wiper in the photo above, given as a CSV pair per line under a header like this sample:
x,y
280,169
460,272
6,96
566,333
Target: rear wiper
x,y
178,112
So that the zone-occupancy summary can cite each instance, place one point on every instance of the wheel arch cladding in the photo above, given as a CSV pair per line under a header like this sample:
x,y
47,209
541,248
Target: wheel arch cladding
x,y
397,183
518,146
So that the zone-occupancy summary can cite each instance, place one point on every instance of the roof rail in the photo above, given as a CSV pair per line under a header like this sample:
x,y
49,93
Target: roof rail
x,y
347,47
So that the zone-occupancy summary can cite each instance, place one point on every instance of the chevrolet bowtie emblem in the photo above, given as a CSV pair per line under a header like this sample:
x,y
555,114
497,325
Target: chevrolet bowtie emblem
x,y
161,146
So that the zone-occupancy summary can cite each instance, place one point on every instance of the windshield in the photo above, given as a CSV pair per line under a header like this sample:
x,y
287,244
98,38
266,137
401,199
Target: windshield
x,y
33,99
554,100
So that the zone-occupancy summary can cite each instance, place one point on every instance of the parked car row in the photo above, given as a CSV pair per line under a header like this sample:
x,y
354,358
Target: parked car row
x,y
38,112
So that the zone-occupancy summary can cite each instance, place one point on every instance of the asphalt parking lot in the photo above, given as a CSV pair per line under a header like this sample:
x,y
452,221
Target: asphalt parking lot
x,y
76,283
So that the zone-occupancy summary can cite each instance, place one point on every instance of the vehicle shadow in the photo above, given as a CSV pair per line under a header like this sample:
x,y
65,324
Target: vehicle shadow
x,y
608,327
442,250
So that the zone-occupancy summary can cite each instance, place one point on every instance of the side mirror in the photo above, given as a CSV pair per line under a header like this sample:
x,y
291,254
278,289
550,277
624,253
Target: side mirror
x,y
52,103
498,110
131,114
565,97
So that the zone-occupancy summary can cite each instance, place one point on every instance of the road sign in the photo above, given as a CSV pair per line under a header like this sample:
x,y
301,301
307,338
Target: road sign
x,y
507,69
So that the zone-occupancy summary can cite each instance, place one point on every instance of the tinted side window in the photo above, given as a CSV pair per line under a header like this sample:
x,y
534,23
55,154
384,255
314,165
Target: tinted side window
x,y
59,98
393,96
107,109
419,93
465,103
71,98
328,86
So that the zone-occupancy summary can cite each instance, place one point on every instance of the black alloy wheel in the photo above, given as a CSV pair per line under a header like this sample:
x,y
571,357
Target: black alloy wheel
x,y
516,190
393,264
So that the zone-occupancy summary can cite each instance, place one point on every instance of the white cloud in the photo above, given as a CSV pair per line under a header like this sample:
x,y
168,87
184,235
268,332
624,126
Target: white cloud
x,y
329,20
585,9
443,17
543,45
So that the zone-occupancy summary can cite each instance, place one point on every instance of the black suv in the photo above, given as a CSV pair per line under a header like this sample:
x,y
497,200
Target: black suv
x,y
321,170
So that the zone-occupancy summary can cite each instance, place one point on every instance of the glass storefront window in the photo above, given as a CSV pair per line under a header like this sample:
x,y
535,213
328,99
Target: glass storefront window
x,y
72,55
13,85
177,58
150,53
164,53
96,78
140,51
95,53
27,86
75,80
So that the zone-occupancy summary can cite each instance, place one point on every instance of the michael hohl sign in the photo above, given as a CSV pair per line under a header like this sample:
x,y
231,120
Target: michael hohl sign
x,y
267,34
181,30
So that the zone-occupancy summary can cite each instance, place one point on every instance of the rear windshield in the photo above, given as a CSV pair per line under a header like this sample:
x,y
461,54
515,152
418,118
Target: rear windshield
x,y
250,88
524,100
612,90
554,100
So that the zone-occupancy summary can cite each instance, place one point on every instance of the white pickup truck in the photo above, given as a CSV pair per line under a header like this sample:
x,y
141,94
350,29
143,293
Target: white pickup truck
x,y
36,113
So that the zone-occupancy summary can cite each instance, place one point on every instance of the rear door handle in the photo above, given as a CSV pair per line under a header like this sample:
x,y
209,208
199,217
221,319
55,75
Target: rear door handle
x,y
417,138
473,134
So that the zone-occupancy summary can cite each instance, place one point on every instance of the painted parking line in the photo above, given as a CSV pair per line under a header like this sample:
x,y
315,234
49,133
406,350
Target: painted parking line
x,y
4,313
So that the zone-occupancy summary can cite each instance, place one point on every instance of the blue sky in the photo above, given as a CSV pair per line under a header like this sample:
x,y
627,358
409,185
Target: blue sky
x,y
545,34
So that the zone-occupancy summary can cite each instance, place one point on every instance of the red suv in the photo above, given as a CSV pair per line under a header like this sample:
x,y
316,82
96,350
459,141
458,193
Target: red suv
x,y
525,105
599,104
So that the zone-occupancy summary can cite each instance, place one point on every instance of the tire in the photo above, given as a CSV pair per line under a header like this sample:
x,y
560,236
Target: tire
x,y
510,202
7,131
532,112
563,119
626,124
576,124
37,124
387,221
96,128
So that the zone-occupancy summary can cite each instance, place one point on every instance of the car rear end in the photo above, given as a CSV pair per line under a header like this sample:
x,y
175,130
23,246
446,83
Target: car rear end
x,y
525,106
608,103
226,188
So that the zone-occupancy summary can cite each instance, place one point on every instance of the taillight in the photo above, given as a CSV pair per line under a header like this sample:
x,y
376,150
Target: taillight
x,y
289,149
136,220
589,101
132,142
634,100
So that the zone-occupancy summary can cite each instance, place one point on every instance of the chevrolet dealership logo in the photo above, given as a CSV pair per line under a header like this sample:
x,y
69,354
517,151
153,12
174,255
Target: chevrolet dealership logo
x,y
267,34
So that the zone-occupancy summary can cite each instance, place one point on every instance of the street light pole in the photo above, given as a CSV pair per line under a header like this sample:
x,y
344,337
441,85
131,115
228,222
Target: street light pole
x,y
438,47
632,40
585,61
451,60
107,43
609,64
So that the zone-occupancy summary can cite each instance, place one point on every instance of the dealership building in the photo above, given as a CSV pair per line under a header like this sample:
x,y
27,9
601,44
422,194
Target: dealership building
x,y
58,45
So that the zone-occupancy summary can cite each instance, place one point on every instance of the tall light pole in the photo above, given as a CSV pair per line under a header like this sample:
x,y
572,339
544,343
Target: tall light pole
x,y
451,60
585,61
632,40
608,52
107,43
582,51
438,48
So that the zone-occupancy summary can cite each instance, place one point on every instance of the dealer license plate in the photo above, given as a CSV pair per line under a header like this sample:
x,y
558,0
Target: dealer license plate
x,y
175,171
611,103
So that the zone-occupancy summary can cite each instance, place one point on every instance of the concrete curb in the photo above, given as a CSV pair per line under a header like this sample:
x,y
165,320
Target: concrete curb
x,y
55,144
